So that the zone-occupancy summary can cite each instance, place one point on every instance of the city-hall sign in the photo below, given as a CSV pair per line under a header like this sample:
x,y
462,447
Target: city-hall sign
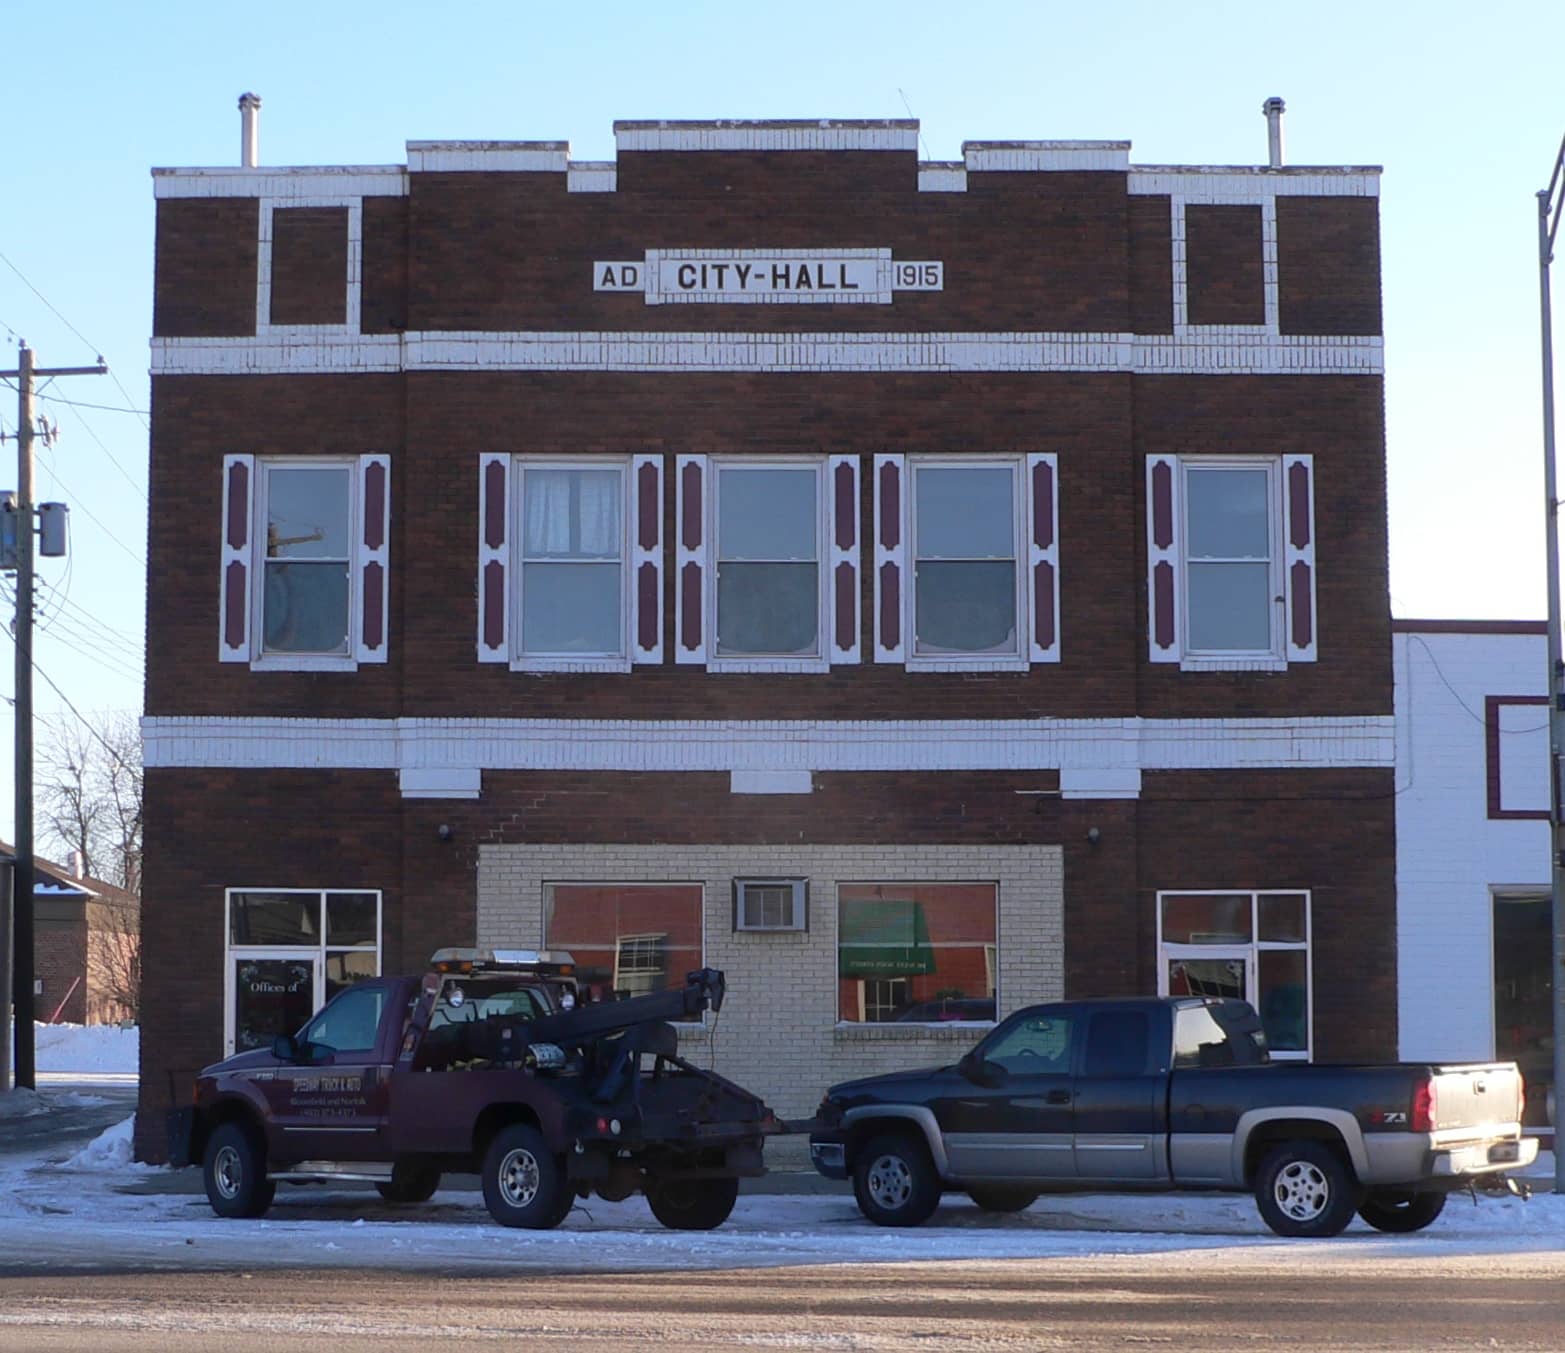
x,y
785,276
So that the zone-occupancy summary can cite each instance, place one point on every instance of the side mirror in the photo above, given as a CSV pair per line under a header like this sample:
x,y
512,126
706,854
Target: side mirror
x,y
284,1048
979,1070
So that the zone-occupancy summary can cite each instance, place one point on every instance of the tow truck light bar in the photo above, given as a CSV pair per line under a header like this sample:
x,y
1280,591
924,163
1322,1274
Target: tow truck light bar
x,y
554,962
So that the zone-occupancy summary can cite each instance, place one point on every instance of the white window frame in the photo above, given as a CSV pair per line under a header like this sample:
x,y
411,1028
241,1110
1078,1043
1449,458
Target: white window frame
x,y
864,1002
800,904
262,661
1273,657
641,942
318,953
1020,660
522,661
1249,951
819,661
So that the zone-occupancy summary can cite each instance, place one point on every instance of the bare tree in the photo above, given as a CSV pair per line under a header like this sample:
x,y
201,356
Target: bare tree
x,y
88,788
113,960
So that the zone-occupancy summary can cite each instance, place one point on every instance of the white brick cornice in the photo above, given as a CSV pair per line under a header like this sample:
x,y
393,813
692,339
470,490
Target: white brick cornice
x,y
1207,351
1098,745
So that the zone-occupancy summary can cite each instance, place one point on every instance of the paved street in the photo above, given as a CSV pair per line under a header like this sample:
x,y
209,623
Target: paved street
x,y
1287,1297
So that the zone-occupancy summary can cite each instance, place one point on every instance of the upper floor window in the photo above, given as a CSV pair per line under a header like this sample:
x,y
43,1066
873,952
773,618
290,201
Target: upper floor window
x,y
304,561
1231,561
767,601
570,562
967,551
966,561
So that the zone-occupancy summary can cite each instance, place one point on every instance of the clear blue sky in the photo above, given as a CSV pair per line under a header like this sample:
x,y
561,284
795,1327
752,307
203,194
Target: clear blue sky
x,y
1463,105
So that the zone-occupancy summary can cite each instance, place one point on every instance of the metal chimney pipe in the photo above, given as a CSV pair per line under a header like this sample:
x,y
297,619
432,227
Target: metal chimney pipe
x,y
249,130
1274,109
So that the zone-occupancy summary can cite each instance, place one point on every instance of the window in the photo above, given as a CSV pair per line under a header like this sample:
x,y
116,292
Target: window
x,y
1231,560
1250,946
570,559
915,952
966,561
627,939
966,554
767,601
348,1024
289,951
572,563
1037,1044
770,904
305,555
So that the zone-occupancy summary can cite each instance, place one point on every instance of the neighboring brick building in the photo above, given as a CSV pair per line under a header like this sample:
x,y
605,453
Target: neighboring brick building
x,y
897,584
86,945
1475,921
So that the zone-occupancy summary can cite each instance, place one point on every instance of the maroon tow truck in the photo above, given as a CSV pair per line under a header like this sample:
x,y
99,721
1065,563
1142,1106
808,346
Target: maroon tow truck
x,y
487,1064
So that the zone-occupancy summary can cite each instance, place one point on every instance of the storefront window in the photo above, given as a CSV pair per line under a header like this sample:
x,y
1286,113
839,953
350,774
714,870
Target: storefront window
x,y
918,953
290,950
1243,945
627,939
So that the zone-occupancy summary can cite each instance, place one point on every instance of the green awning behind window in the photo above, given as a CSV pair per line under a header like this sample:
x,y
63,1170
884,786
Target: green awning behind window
x,y
883,938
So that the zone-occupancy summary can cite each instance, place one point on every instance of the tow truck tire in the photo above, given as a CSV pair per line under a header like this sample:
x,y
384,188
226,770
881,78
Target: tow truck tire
x,y
998,1198
1305,1189
524,1182
894,1181
692,1204
233,1169
1399,1212
410,1183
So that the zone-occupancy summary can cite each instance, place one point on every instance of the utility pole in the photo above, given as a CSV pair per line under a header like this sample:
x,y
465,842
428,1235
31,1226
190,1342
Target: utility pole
x,y
22,874
1549,204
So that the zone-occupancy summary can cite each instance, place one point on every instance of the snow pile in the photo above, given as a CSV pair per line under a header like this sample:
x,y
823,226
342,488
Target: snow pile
x,y
109,1150
87,1048
20,1103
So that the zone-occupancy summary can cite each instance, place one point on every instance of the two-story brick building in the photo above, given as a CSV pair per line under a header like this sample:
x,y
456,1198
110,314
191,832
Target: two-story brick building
x,y
917,589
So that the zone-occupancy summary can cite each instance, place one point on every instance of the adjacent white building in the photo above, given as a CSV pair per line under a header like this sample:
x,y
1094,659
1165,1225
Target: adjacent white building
x,y
1472,786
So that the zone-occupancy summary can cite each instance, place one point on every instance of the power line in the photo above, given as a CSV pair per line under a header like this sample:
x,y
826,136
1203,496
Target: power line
x,y
83,404
91,432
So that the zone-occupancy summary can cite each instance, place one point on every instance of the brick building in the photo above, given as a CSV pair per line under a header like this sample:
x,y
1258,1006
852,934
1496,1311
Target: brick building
x,y
917,589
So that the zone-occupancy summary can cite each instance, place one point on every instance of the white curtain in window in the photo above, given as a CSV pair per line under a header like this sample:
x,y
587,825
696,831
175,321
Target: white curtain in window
x,y
573,512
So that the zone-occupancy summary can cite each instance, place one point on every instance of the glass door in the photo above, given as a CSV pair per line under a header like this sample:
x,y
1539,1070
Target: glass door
x,y
269,993
1210,970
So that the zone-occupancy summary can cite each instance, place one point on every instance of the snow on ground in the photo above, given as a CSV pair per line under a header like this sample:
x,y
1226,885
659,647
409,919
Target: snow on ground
x,y
70,1212
97,1048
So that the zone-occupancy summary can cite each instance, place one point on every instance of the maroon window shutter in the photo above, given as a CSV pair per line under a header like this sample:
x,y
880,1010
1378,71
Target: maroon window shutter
x,y
372,564
647,559
1043,556
842,496
1163,532
1298,486
237,560
690,558
494,558
890,558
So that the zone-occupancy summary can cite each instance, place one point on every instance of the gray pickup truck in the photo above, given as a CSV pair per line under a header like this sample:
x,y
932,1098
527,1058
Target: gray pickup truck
x,y
1157,1094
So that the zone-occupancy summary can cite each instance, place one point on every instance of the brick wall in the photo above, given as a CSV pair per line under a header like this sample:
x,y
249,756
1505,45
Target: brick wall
x,y
60,959
309,265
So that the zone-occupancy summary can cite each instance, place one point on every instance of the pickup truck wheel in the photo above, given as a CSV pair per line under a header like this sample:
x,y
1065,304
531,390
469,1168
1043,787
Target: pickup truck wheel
x,y
894,1181
234,1171
410,1183
692,1204
1399,1212
523,1180
1304,1189
996,1199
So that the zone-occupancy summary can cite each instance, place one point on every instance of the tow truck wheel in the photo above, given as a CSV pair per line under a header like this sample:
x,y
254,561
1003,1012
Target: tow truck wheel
x,y
234,1171
523,1180
692,1204
997,1198
1305,1189
894,1181
410,1183
1399,1212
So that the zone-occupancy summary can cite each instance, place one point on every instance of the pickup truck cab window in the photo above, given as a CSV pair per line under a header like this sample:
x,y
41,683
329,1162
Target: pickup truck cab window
x,y
348,1024
1033,1044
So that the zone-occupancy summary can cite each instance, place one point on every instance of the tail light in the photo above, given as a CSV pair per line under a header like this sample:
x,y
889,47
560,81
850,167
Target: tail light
x,y
1422,1118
